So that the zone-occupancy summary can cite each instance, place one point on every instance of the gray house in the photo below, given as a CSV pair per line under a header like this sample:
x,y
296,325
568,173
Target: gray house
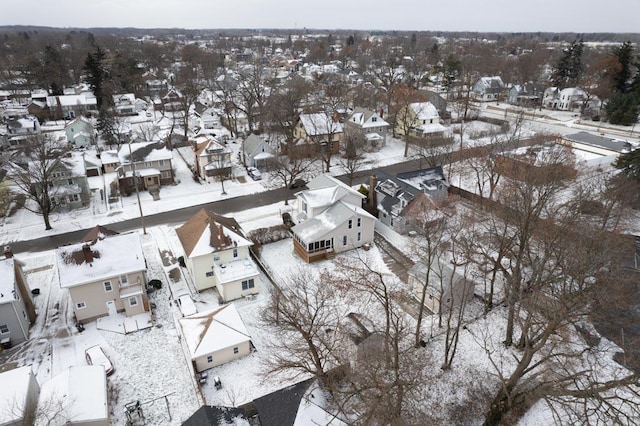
x,y
526,95
17,311
405,199
80,132
487,89
257,152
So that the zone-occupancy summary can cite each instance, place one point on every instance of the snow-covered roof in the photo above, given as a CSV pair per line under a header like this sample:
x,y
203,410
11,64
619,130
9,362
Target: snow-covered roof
x,y
144,151
82,390
211,331
109,157
424,110
364,118
14,390
320,124
313,229
8,281
201,235
84,263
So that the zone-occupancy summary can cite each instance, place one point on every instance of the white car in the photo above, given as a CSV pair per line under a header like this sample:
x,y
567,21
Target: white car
x,y
254,173
96,356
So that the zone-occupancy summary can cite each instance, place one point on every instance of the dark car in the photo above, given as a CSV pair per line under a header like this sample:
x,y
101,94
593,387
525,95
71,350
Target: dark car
x,y
298,183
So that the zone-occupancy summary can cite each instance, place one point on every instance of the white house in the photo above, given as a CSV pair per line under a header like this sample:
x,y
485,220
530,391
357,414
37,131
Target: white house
x,y
369,124
215,337
79,394
329,219
18,396
217,255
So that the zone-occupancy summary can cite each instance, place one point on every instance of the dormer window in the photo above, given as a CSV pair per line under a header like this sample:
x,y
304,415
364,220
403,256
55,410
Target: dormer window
x,y
374,119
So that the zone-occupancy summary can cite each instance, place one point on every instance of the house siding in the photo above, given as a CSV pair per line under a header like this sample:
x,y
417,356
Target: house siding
x,y
13,315
222,356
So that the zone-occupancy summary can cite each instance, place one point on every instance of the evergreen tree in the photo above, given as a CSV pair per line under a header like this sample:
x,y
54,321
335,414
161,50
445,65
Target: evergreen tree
x,y
569,67
622,108
96,75
622,78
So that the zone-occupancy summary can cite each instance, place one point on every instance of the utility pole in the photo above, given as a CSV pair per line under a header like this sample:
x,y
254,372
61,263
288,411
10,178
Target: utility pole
x,y
135,183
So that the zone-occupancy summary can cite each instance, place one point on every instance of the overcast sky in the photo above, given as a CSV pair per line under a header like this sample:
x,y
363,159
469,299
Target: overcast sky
x,y
421,15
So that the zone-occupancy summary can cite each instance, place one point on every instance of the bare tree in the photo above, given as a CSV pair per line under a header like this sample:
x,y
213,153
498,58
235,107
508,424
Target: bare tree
x,y
284,105
35,176
353,158
303,311
287,169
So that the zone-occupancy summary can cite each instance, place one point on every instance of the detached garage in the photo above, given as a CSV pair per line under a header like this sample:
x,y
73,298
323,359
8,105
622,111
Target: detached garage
x,y
215,337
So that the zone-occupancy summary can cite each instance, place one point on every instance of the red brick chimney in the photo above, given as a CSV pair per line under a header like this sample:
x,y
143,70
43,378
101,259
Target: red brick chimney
x,y
8,253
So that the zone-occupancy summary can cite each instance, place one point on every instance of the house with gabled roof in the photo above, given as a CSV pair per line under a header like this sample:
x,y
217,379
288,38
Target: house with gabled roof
x,y
422,120
329,219
368,124
104,276
149,161
17,311
217,255
487,89
409,198
80,132
257,152
316,131
215,337
213,160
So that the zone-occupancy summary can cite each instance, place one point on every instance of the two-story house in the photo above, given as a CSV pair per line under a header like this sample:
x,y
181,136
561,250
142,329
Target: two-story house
x,y
420,120
80,132
17,311
217,255
330,219
213,160
172,101
67,180
527,95
487,89
104,276
316,132
150,162
410,198
368,124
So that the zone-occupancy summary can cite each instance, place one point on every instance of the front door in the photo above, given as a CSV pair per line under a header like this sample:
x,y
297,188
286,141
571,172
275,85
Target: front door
x,y
111,308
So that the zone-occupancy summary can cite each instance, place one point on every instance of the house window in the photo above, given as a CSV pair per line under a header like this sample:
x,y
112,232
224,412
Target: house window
x,y
74,198
374,119
133,301
160,162
359,235
209,274
70,181
107,286
81,305
344,240
209,358
235,252
359,222
4,329
304,207
124,280
350,223
247,284
236,350
216,256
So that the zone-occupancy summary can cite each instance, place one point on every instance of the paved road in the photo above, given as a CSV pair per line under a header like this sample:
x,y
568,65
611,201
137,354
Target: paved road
x,y
179,216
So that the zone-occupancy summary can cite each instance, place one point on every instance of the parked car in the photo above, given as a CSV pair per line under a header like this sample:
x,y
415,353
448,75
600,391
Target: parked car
x,y
254,173
298,183
96,356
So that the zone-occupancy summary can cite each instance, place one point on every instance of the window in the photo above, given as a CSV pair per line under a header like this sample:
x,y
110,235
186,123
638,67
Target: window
x,y
4,329
124,280
133,301
209,274
74,198
304,207
374,119
350,223
107,286
235,252
359,222
359,235
235,350
81,305
70,181
247,284
344,240
160,162
209,358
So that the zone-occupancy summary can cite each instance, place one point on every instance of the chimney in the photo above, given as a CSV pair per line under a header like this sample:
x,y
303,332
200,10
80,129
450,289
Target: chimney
x,y
8,253
86,251
372,203
221,234
381,113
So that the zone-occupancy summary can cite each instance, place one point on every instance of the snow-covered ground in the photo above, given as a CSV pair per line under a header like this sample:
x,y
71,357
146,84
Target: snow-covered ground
x,y
151,365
